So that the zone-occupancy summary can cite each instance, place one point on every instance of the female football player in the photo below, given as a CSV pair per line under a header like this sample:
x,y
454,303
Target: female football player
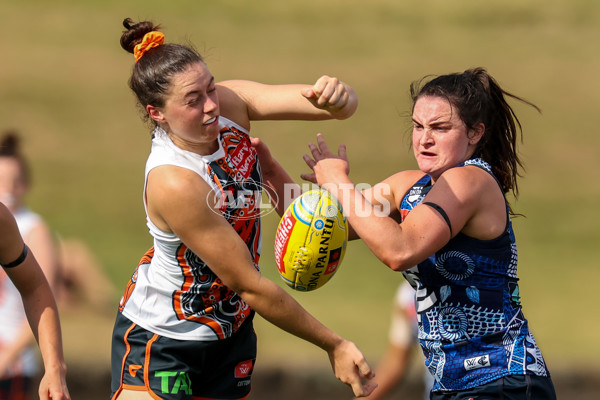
x,y
185,323
449,232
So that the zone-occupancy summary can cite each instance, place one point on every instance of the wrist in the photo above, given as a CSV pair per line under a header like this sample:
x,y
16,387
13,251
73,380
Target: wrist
x,y
57,367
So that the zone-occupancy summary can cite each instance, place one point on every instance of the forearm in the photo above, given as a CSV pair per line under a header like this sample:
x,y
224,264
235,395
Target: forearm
x,y
276,306
42,314
371,223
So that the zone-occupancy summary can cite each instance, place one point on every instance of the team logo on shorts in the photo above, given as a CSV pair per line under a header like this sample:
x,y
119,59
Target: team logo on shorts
x,y
244,369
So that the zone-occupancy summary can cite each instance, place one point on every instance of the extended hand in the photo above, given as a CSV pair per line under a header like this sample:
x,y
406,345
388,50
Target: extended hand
x,y
350,367
327,167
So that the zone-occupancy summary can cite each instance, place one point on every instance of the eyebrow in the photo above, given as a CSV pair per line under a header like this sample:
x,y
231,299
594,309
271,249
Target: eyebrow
x,y
193,92
434,123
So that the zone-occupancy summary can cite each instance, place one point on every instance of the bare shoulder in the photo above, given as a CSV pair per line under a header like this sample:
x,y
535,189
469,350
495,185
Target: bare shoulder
x,y
401,181
474,201
233,101
176,185
469,179
11,242
8,225
173,194
5,214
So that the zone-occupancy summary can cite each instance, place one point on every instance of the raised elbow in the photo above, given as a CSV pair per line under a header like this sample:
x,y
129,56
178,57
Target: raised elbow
x,y
397,262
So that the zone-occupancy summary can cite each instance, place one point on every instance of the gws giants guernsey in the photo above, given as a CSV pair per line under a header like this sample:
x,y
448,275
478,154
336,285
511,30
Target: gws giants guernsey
x,y
173,292
471,327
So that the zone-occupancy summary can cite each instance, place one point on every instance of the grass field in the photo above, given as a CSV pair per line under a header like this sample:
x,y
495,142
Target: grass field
x,y
64,86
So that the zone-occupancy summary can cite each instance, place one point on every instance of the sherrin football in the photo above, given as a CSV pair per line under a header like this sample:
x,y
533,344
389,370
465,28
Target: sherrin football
x,y
310,241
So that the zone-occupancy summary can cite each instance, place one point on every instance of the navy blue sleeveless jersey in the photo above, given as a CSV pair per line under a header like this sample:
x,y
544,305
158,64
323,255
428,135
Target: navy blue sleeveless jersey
x,y
471,327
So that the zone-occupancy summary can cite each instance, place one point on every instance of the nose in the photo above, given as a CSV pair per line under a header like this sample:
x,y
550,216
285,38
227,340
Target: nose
x,y
210,105
426,137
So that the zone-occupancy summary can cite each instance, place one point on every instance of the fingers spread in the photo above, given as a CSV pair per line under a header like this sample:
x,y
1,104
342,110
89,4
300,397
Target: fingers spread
x,y
309,161
322,144
342,152
309,178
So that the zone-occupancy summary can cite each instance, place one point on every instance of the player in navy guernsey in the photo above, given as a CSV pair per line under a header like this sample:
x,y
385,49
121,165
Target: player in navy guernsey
x,y
449,231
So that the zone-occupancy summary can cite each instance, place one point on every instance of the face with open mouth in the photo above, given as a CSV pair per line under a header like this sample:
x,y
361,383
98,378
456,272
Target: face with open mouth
x,y
191,112
440,138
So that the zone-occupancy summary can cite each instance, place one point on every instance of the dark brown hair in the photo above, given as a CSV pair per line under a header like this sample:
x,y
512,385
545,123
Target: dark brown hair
x,y
10,148
479,98
152,74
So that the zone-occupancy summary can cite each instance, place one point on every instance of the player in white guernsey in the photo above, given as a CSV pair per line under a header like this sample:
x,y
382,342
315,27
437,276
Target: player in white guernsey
x,y
184,329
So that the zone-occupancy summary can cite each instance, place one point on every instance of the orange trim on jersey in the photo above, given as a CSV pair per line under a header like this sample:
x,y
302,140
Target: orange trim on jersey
x,y
188,281
127,351
146,259
223,199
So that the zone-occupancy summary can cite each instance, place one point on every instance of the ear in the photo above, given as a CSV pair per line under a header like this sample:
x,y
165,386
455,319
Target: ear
x,y
476,133
155,113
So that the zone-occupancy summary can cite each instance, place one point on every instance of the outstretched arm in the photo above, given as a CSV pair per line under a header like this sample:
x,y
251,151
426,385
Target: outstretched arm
x,y
245,101
399,246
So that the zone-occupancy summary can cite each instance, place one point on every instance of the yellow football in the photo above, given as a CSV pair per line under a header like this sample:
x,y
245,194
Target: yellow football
x,y
311,240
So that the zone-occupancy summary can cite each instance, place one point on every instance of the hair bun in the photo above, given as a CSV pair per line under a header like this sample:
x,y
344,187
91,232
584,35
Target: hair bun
x,y
134,33
10,143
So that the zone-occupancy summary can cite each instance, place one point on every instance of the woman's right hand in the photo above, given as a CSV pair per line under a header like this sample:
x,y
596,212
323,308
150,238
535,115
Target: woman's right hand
x,y
350,366
53,386
327,167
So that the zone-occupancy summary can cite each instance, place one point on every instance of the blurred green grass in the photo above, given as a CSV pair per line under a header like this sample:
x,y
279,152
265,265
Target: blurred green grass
x,y
64,86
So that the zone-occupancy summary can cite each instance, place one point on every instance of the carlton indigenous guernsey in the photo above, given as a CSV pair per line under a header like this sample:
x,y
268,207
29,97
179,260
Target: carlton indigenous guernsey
x,y
12,313
471,327
173,292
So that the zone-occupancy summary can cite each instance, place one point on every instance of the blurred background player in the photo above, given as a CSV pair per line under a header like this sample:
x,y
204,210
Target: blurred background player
x,y
397,361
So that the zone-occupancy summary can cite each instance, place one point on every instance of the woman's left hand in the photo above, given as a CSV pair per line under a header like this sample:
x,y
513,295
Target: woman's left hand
x,y
327,167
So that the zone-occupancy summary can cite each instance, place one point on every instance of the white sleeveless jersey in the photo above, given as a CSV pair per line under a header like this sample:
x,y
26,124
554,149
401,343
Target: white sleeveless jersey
x,y
173,292
12,313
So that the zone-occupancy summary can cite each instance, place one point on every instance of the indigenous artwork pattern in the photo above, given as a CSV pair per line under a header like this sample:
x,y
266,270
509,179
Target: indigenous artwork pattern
x,y
471,327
